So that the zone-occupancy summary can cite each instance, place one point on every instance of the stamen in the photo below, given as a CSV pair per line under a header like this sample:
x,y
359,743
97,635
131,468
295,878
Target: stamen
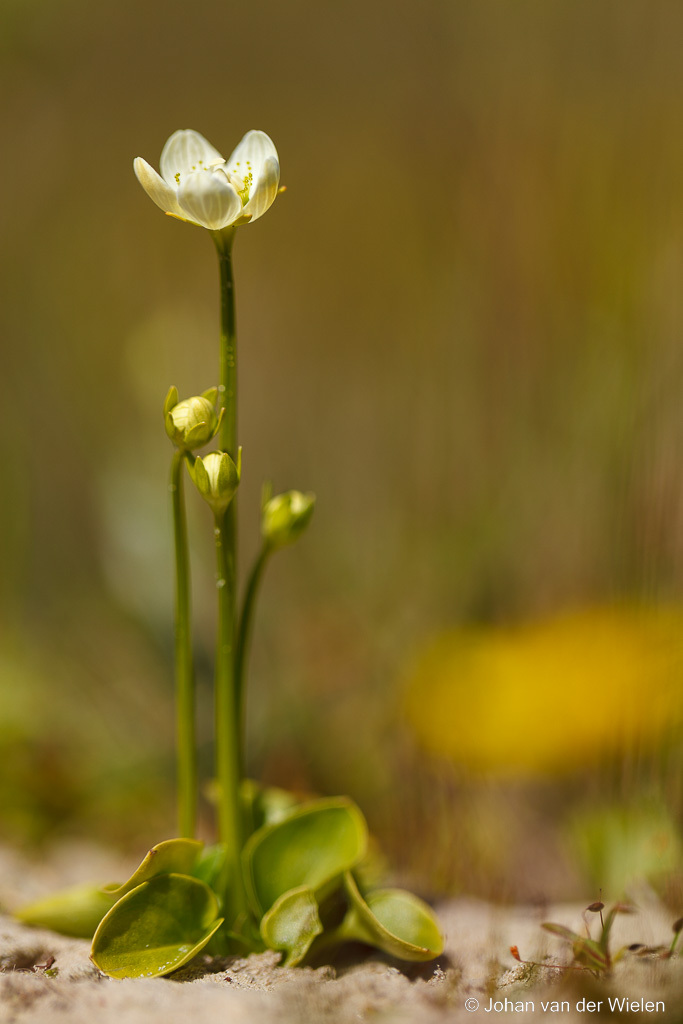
x,y
245,186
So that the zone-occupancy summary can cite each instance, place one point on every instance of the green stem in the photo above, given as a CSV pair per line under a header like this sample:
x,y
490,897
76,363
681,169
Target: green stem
x,y
227,388
227,723
228,743
244,630
185,701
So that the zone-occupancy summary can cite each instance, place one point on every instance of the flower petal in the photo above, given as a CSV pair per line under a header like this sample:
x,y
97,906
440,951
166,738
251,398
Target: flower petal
x,y
251,154
156,188
186,151
264,189
209,198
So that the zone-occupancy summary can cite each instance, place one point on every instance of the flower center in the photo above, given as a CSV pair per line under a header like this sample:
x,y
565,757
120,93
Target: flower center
x,y
199,166
245,178
239,180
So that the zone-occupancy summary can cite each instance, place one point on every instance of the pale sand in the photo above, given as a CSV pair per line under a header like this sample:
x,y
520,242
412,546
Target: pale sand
x,y
476,964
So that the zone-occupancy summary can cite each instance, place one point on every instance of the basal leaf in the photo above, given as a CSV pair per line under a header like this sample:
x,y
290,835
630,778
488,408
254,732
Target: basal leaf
x,y
264,805
291,924
393,920
312,847
177,856
76,911
212,869
156,928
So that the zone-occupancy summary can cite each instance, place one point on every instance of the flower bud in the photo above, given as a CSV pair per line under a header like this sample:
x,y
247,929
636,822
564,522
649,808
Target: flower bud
x,y
193,422
216,477
285,517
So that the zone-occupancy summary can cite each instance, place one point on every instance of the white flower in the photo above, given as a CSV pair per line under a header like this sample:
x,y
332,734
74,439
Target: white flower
x,y
197,185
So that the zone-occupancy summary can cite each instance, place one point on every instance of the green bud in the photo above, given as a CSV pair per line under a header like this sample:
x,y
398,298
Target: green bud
x,y
193,422
285,517
216,477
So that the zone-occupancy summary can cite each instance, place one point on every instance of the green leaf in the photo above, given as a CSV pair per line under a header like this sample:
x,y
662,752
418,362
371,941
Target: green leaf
x,y
211,868
156,928
312,847
559,929
264,805
76,911
291,924
393,920
618,908
589,953
173,855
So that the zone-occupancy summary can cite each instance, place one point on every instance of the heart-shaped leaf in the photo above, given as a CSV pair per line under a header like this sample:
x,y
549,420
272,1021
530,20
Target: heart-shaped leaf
x,y
177,856
312,847
76,911
393,920
156,928
291,924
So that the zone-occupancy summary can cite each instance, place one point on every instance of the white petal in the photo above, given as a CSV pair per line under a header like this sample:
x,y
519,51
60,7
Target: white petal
x,y
209,198
264,189
251,154
186,151
156,188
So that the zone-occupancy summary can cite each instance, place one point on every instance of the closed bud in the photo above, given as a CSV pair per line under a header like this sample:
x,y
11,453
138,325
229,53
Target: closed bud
x,y
193,422
285,517
216,477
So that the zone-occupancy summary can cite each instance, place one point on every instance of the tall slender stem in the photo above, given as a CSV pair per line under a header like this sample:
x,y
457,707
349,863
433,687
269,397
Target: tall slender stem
x,y
244,630
227,389
185,699
228,745
227,723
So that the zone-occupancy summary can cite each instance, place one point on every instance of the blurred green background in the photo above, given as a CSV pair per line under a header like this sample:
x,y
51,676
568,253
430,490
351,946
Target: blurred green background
x,y
461,326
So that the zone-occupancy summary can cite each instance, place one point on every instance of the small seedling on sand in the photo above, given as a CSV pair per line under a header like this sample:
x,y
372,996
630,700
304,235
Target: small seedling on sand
x,y
594,955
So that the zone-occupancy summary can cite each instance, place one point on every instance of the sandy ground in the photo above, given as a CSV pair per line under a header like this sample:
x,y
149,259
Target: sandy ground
x,y
476,967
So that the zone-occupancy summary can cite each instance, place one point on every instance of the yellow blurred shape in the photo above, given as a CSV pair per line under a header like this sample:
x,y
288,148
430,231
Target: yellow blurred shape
x,y
550,696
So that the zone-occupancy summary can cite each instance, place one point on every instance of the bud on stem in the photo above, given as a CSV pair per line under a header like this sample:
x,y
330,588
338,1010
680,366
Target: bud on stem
x,y
217,478
193,422
285,517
